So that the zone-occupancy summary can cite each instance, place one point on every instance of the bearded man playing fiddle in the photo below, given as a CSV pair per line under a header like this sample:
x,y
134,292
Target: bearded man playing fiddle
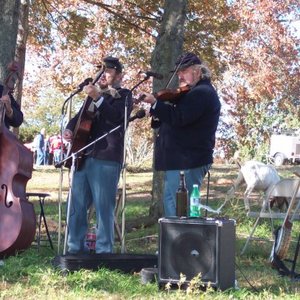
x,y
186,129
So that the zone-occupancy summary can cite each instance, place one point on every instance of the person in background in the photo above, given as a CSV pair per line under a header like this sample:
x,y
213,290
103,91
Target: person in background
x,y
40,147
56,146
46,150
96,181
186,128
13,114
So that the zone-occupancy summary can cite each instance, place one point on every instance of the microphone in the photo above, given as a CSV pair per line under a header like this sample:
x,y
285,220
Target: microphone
x,y
84,83
152,74
139,115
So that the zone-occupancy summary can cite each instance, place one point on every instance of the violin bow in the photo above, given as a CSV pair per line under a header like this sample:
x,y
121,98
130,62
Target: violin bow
x,y
175,71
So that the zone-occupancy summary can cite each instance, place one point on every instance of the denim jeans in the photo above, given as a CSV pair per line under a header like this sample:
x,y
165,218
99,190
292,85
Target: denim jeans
x,y
192,176
40,157
96,182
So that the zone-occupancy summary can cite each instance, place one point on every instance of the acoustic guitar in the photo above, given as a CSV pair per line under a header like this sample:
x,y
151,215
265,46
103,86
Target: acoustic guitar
x,y
82,129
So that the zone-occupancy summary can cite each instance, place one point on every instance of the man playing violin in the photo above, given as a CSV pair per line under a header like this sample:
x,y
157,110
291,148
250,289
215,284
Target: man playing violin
x,y
186,129
97,179
13,114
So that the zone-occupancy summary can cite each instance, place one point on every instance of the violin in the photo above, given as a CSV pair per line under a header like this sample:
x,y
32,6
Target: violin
x,y
171,95
167,94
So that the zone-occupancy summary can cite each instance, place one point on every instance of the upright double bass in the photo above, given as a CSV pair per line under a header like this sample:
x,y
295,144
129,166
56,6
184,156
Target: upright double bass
x,y
17,216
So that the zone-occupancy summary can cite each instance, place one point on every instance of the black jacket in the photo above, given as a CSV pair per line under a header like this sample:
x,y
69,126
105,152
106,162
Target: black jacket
x,y
17,118
186,134
109,115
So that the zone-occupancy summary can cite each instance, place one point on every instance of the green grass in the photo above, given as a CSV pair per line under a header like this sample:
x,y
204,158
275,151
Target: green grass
x,y
30,275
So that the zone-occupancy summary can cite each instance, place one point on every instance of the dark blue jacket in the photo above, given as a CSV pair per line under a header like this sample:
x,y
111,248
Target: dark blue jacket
x,y
17,118
109,115
186,134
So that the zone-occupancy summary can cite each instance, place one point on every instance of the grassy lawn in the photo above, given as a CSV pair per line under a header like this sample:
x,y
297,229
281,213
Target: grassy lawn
x,y
31,275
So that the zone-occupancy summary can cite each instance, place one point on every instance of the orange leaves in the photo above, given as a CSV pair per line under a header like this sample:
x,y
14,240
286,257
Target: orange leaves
x,y
262,67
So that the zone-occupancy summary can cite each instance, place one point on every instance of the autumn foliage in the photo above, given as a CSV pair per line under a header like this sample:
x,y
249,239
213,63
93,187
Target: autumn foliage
x,y
250,45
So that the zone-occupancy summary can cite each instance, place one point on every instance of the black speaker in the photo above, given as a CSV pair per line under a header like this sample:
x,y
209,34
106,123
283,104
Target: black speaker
x,y
190,246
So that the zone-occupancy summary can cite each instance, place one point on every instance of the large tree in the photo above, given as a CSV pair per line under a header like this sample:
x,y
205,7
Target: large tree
x,y
169,44
8,33
242,41
144,33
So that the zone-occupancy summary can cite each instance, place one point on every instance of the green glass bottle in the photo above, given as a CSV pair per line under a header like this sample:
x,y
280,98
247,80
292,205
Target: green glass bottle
x,y
195,202
182,197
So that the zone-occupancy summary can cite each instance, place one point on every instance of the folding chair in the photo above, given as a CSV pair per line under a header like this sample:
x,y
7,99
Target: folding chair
x,y
284,188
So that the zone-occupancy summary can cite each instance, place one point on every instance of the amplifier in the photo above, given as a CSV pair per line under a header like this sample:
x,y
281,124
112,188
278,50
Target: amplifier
x,y
190,246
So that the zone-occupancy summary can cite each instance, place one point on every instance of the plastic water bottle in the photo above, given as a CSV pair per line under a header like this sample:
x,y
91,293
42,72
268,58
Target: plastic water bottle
x,y
91,238
195,202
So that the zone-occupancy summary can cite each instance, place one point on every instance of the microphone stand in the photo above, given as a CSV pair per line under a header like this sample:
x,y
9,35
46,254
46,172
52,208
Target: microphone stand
x,y
61,168
123,170
72,169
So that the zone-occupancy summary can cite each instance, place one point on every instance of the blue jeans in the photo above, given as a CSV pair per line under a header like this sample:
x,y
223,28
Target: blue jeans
x,y
96,182
192,176
40,157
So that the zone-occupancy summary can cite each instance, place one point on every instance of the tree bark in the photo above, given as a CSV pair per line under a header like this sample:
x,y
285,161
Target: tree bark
x,y
21,46
8,33
8,36
169,46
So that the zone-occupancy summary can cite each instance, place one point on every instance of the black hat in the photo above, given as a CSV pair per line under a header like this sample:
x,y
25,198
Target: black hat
x,y
113,62
186,60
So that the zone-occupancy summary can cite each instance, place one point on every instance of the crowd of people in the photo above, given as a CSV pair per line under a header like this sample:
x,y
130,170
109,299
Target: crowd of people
x,y
47,150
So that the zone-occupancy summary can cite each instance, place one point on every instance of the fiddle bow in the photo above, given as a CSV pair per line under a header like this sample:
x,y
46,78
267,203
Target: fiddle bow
x,y
168,94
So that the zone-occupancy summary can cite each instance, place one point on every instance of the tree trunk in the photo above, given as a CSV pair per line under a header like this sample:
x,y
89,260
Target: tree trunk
x,y
9,17
21,46
168,46
8,33
21,50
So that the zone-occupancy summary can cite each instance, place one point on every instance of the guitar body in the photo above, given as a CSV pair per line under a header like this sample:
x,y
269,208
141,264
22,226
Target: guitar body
x,y
283,234
283,241
81,134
